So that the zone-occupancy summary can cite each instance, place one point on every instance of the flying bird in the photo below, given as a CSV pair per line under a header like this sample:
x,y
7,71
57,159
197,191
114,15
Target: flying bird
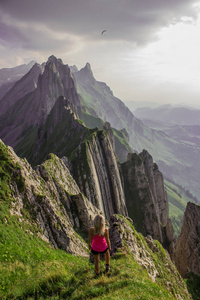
x,y
103,32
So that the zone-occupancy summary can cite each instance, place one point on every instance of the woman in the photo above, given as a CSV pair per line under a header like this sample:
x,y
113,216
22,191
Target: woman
x,y
99,242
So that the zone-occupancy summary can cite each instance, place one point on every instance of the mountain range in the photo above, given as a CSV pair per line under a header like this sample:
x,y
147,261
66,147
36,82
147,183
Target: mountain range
x,y
170,114
78,151
34,127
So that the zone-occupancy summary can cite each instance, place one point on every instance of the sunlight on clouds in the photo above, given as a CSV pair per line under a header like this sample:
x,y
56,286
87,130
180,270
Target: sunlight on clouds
x,y
175,56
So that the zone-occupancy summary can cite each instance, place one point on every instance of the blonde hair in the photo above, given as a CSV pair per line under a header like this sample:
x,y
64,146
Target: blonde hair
x,y
99,225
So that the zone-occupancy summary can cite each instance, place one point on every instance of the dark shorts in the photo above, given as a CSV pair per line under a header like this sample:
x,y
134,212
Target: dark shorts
x,y
98,252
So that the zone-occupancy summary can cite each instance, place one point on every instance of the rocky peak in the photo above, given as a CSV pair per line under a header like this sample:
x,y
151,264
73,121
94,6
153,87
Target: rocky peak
x,y
32,98
56,81
74,69
146,198
87,69
107,127
187,247
53,59
85,75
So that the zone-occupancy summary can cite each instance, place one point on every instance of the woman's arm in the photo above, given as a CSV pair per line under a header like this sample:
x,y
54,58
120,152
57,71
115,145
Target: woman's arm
x,y
91,230
107,239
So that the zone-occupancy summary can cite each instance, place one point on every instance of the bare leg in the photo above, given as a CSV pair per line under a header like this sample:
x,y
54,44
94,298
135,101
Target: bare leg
x,y
97,263
107,257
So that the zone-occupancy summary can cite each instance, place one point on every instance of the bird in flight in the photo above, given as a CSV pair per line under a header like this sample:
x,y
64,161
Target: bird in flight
x,y
103,32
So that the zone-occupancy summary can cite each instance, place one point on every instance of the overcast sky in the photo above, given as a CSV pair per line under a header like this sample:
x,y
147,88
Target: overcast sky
x,y
149,51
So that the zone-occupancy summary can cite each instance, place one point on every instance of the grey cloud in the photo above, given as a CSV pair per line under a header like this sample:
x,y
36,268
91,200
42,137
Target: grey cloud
x,y
131,20
11,35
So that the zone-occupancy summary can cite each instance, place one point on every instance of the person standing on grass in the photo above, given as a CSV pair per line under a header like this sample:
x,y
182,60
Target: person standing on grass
x,y
99,242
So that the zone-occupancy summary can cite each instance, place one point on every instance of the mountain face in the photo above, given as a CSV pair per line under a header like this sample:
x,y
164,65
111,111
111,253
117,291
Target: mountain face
x,y
187,248
31,110
95,168
8,76
46,120
176,160
146,198
52,199
24,86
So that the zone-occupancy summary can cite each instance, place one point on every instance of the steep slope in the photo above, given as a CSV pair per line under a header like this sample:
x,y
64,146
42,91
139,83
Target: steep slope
x,y
175,159
178,197
22,87
149,254
99,100
61,133
187,248
48,199
95,167
29,112
8,76
146,198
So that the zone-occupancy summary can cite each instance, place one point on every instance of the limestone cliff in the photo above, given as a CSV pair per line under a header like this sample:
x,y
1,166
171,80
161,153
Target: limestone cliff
x,y
95,168
52,199
146,198
187,247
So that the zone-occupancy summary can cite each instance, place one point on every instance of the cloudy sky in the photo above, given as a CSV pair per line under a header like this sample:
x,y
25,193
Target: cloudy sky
x,y
149,51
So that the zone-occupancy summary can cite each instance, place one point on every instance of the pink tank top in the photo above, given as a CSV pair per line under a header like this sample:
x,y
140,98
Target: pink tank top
x,y
99,243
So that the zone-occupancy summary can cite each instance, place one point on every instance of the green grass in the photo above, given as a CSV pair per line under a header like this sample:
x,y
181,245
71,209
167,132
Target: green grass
x,y
178,200
30,269
193,285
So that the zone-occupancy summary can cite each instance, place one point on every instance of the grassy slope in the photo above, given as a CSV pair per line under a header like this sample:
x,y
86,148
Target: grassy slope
x,y
32,269
177,204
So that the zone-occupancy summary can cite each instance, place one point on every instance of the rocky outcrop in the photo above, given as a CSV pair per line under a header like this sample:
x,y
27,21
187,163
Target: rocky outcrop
x,y
54,202
55,81
94,165
123,236
146,198
187,247
60,134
